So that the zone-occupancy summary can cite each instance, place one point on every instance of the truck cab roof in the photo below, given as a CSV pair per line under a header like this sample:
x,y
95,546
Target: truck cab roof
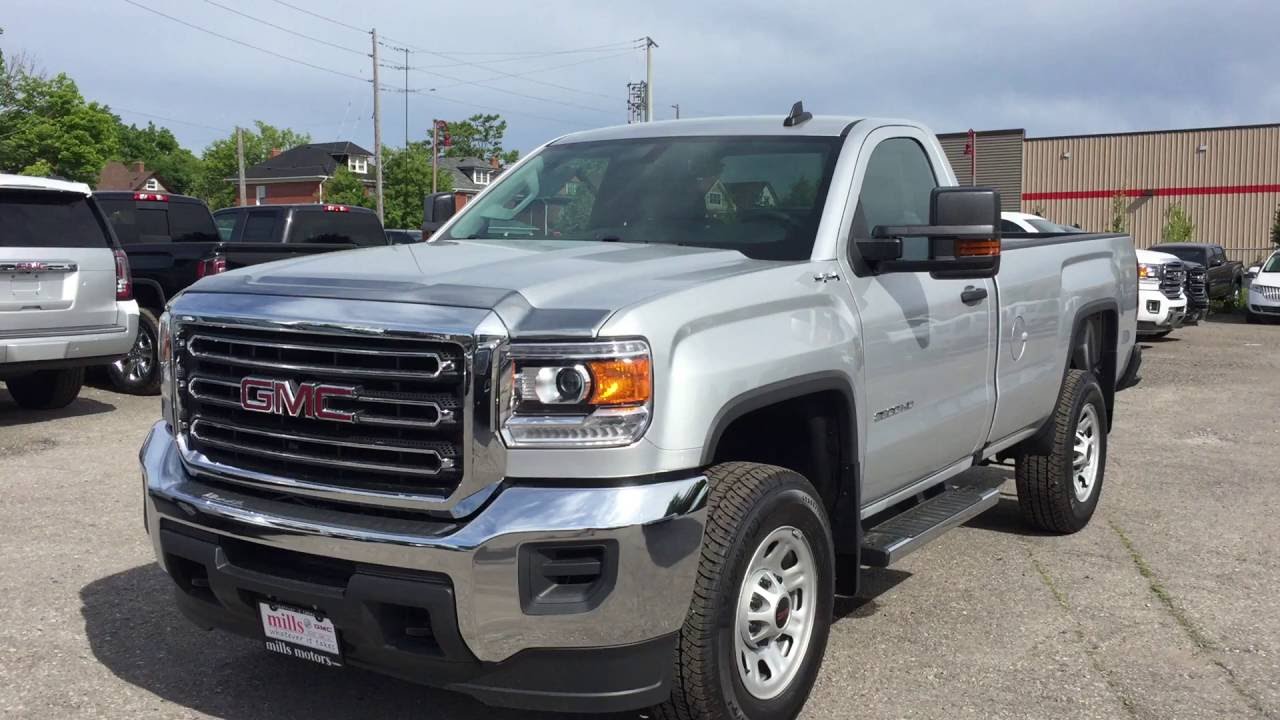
x,y
758,125
23,182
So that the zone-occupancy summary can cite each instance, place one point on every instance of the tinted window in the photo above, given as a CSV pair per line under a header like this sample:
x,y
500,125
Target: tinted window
x,y
226,223
259,227
191,222
49,219
895,191
137,222
760,196
1190,254
1008,226
318,226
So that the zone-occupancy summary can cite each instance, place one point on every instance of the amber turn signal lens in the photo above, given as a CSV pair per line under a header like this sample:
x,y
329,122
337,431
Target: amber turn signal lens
x,y
627,381
977,248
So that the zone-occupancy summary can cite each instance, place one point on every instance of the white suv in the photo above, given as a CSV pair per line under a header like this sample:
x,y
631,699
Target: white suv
x,y
66,301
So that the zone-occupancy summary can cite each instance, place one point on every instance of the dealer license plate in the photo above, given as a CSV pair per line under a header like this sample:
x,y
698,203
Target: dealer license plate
x,y
300,634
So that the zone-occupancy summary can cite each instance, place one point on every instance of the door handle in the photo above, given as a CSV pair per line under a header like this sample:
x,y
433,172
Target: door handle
x,y
973,295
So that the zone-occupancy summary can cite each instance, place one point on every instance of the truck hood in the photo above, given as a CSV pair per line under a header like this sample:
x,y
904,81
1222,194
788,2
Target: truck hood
x,y
545,288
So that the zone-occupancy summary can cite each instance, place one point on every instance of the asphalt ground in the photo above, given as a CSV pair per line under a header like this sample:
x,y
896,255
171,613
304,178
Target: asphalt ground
x,y
1166,606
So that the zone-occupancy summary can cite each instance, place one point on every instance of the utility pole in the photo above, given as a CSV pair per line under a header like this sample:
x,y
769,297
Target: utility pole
x,y
677,107
406,98
244,196
435,151
649,45
377,126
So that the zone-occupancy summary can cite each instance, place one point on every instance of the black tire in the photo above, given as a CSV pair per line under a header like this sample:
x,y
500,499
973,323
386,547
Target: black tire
x,y
1046,482
1251,318
138,373
747,503
46,389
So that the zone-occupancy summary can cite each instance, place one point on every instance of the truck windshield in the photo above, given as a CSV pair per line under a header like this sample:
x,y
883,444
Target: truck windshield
x,y
1273,264
761,196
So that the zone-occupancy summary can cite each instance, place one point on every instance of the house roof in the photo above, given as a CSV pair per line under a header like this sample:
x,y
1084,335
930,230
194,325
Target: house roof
x,y
460,169
311,160
745,194
116,175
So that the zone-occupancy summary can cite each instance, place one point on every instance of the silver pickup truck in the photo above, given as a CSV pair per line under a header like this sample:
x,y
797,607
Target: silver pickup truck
x,y
617,435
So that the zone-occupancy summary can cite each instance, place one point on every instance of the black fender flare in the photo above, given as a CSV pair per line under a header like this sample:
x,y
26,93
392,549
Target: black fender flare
x,y
846,520
1109,361
153,285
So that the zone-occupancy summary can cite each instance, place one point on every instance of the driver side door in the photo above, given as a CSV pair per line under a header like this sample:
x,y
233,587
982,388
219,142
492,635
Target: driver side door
x,y
927,341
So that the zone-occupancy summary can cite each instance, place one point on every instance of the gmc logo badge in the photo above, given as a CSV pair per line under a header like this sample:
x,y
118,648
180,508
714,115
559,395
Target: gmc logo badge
x,y
286,397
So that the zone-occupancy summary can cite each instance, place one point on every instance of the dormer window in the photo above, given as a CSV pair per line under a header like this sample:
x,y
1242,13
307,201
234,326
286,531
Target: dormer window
x,y
481,177
153,185
358,164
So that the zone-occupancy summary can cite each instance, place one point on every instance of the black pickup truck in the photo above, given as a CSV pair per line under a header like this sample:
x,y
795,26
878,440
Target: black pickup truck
x,y
1223,277
173,241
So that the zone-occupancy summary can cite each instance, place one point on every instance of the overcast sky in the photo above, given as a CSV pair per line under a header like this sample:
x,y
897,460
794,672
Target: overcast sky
x,y
1050,66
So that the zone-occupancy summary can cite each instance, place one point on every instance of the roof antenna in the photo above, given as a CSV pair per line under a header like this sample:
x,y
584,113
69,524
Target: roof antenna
x,y
797,116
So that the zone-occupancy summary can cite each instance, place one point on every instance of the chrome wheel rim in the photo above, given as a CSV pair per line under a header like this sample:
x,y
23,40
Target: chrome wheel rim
x,y
136,366
775,613
1084,463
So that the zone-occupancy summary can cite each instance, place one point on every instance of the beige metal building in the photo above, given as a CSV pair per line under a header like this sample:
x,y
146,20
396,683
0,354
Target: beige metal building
x,y
1226,178
998,162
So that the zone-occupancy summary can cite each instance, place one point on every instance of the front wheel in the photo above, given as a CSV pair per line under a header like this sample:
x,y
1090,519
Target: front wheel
x,y
757,627
138,373
1058,490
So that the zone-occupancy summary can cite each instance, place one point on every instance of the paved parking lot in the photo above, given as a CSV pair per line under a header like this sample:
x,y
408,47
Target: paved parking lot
x,y
1166,606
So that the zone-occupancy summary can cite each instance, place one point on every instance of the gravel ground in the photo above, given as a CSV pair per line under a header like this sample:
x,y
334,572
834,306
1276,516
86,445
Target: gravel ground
x,y
1164,607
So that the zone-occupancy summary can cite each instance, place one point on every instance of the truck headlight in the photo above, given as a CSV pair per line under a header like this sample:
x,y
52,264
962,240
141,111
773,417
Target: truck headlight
x,y
1150,271
164,351
596,394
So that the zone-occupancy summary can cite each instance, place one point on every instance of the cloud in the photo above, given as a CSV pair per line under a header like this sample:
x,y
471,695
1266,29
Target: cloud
x,y
1050,66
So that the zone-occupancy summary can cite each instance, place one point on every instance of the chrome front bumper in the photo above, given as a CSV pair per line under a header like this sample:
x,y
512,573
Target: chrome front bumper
x,y
657,526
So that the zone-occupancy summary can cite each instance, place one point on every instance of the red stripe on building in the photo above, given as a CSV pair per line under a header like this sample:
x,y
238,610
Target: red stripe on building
x,y
1153,192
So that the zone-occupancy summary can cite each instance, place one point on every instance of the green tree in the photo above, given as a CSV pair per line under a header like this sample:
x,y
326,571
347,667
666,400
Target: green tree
x,y
177,167
1177,225
344,188
406,181
480,136
216,180
1275,227
49,128
1119,213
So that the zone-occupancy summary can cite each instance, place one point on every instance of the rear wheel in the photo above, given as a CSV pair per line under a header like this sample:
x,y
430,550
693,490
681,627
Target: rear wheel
x,y
758,623
46,389
1058,490
138,373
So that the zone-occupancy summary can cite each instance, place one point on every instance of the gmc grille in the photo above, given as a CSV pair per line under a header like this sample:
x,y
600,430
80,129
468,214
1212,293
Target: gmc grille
x,y
406,407
1174,277
1197,288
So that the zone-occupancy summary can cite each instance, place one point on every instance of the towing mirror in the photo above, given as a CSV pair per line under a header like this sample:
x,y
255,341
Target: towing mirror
x,y
963,237
437,208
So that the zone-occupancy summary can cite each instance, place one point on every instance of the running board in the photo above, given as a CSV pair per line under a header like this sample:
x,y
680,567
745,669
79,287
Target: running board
x,y
900,535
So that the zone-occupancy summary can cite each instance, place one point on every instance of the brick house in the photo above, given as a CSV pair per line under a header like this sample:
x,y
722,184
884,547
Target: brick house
x,y
134,177
297,175
470,176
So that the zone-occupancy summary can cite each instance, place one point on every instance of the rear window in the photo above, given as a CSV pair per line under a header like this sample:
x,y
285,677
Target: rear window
x,y
191,222
1190,254
319,226
142,221
259,227
49,219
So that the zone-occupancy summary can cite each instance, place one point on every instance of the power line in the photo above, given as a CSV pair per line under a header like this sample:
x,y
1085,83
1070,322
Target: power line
x,y
282,28
245,44
167,119
526,73
528,55
485,83
322,17
431,93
